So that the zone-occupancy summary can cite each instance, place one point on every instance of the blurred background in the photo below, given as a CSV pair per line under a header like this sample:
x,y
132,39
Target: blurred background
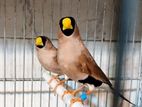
x,y
111,30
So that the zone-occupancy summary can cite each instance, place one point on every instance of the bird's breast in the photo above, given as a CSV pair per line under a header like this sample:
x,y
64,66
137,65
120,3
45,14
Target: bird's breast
x,y
68,56
46,58
69,52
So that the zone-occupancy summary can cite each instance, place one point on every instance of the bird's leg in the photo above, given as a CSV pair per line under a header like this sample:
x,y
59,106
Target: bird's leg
x,y
73,92
90,88
78,90
66,78
61,82
56,77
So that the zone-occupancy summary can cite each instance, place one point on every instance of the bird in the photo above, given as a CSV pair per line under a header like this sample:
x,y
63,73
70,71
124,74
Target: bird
x,y
47,54
74,58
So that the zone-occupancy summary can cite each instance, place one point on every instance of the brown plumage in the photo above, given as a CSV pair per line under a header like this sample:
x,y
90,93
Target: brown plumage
x,y
74,58
47,54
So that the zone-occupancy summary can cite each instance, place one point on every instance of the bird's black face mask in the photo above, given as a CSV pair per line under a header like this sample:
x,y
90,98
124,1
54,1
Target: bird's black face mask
x,y
67,25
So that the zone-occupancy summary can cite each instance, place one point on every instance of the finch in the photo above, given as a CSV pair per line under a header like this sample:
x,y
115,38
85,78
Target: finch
x,y
74,58
47,54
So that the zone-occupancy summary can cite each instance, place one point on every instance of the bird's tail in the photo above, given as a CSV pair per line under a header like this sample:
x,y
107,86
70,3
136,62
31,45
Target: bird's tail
x,y
119,94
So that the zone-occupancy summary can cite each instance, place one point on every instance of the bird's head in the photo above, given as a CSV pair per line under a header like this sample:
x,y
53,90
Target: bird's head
x,y
40,41
67,25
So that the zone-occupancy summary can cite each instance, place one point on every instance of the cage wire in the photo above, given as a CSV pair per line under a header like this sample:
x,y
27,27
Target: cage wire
x,y
21,82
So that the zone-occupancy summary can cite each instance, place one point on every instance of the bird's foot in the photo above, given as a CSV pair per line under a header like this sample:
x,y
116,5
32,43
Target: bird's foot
x,y
78,90
58,84
60,81
73,92
90,89
56,77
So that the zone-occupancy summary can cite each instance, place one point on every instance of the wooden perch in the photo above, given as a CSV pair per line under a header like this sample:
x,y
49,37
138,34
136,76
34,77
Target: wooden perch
x,y
60,90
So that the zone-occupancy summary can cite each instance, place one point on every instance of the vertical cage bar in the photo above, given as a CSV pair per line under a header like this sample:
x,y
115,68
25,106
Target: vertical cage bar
x,y
24,34
95,29
52,13
102,36
87,23
133,51
141,74
77,15
124,65
70,10
61,8
95,33
33,33
51,35
4,46
102,43
139,89
125,54
42,33
110,49
15,70
41,87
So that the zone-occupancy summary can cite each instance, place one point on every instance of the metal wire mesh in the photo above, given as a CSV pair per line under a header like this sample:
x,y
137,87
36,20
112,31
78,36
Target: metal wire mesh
x,y
21,83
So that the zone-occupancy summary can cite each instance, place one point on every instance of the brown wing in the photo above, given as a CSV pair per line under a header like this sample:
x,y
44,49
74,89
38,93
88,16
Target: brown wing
x,y
89,66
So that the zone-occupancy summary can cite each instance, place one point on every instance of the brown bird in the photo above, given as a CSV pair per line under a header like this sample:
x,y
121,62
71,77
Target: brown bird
x,y
74,58
47,54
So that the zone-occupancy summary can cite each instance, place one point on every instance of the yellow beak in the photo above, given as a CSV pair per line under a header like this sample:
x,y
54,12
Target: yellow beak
x,y
38,41
67,24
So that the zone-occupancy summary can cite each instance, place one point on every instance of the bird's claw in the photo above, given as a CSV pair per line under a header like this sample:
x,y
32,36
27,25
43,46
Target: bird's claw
x,y
59,83
57,79
73,92
53,77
